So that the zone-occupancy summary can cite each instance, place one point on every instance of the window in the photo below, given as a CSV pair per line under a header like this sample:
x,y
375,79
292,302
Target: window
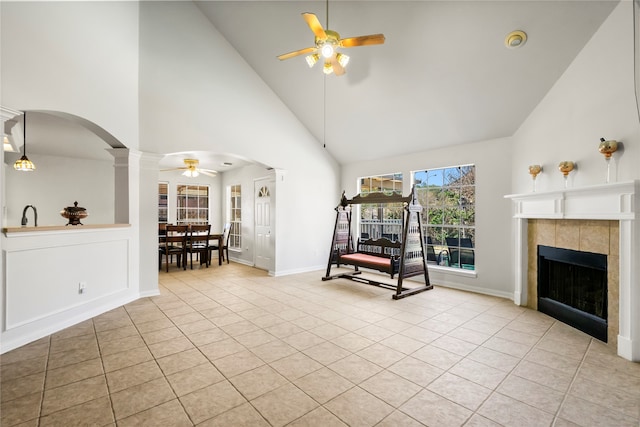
x,y
381,220
163,193
193,204
235,217
448,198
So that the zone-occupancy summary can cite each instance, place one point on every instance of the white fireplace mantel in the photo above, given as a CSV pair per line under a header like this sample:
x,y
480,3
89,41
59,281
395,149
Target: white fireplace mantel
x,y
615,201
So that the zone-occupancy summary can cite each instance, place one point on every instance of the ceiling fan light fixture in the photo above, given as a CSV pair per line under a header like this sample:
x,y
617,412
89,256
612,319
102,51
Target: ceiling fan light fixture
x,y
190,173
327,50
342,59
515,39
312,59
23,164
328,68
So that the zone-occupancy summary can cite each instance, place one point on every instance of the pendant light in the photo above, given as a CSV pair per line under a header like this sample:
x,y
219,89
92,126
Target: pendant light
x,y
24,164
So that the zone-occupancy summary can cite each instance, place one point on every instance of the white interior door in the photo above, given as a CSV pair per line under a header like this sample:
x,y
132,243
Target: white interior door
x,y
264,216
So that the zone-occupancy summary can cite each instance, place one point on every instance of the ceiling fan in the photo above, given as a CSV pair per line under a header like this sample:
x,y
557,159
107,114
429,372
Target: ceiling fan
x,y
326,44
192,170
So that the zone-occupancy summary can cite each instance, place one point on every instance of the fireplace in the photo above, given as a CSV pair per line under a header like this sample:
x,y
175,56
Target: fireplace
x,y
572,287
598,219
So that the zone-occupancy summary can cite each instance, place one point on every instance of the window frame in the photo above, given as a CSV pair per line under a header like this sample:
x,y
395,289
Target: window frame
x,y
234,203
201,206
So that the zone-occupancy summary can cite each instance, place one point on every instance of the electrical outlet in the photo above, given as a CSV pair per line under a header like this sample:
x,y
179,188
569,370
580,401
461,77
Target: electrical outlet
x,y
81,287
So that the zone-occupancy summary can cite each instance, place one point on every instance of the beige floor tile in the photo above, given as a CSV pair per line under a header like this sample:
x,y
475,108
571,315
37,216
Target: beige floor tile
x,y
493,358
81,328
133,375
72,343
532,393
326,352
459,390
237,363
283,405
121,344
323,385
328,331
241,416
346,407
397,418
72,373
183,319
211,401
115,334
284,329
197,326
549,377
257,382
416,371
194,378
303,340
295,366
153,337
553,360
273,350
436,356
318,417
563,348
255,338
507,347
223,348
469,335
95,412
166,348
169,413
239,328
63,397
352,342
355,368
123,359
516,336
154,325
267,320
480,421
588,414
625,400
22,386
381,355
374,332
20,410
394,325
434,410
402,343
390,388
141,397
612,377
512,413
209,336
180,361
479,373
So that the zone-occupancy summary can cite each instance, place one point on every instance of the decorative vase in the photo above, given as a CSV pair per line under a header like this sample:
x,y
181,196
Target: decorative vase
x,y
566,167
608,148
74,214
534,170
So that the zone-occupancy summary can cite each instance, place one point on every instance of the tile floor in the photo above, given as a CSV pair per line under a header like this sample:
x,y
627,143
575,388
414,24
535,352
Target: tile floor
x,y
229,346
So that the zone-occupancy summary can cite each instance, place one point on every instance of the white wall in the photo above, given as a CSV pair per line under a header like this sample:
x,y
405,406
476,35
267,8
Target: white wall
x,y
69,57
493,236
57,183
593,99
198,94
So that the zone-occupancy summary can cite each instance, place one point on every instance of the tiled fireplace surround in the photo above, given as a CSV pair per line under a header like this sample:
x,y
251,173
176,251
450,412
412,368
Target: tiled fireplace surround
x,y
598,219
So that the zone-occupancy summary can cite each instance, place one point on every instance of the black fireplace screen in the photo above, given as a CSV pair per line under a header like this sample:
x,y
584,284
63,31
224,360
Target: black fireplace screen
x,y
572,287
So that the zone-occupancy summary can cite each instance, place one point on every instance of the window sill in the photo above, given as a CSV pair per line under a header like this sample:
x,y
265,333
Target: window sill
x,y
455,271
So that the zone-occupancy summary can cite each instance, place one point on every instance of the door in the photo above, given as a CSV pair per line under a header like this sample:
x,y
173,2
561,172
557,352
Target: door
x,y
264,217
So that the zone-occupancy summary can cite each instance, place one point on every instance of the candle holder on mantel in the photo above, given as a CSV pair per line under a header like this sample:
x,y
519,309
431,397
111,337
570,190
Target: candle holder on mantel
x,y
534,170
608,148
566,167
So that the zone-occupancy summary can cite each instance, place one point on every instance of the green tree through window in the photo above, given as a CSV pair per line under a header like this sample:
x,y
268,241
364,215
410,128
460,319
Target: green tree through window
x,y
448,198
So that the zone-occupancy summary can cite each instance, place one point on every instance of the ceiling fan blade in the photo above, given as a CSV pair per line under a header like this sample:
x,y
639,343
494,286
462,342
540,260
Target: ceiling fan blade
x,y
362,40
315,25
207,172
338,69
297,53
172,169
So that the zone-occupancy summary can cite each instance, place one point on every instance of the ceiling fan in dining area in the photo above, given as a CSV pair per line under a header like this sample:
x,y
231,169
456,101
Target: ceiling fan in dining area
x,y
192,170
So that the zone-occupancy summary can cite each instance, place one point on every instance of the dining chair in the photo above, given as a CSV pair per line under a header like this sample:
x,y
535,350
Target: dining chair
x,y
199,243
174,242
226,233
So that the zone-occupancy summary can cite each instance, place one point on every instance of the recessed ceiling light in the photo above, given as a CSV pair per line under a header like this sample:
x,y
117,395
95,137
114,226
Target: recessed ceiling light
x,y
227,164
515,39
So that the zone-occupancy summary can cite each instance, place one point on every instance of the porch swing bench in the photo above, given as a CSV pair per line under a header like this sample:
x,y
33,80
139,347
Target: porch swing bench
x,y
405,259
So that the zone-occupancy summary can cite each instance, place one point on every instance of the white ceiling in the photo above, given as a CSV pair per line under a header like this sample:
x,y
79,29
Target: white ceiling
x,y
443,76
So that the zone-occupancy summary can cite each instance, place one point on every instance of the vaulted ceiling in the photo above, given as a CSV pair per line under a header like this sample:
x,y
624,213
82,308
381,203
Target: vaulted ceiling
x,y
443,76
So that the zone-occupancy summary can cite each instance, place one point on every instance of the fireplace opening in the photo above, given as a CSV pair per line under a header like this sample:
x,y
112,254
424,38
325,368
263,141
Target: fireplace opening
x,y
572,287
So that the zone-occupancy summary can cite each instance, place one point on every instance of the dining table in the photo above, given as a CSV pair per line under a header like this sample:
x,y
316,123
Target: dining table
x,y
212,236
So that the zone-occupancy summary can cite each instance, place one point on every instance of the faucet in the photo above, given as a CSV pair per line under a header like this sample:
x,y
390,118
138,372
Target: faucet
x,y
24,216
